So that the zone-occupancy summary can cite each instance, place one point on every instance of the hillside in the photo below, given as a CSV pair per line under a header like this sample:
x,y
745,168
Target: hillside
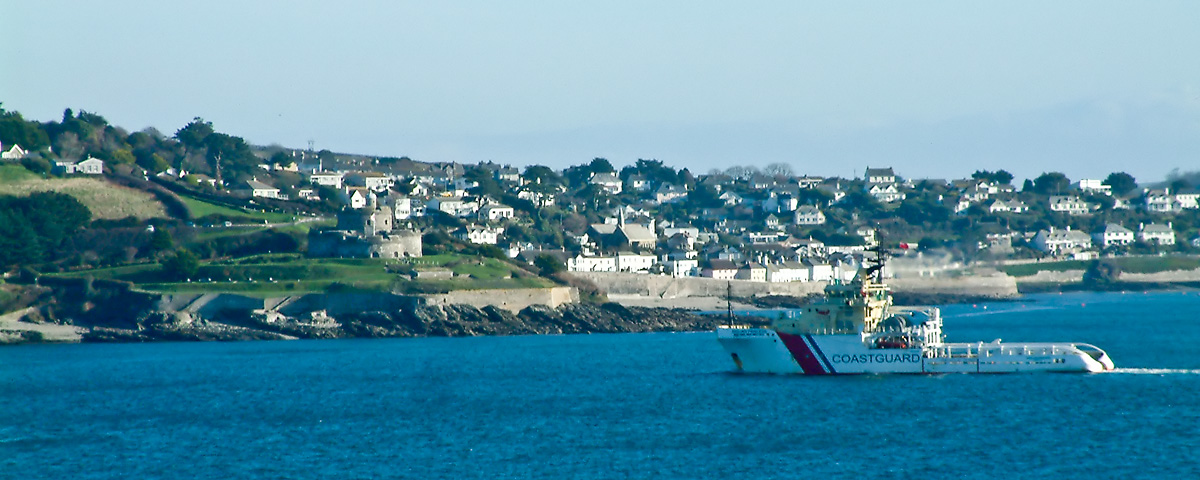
x,y
105,200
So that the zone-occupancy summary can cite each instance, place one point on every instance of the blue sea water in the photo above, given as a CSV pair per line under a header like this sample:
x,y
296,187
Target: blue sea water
x,y
609,406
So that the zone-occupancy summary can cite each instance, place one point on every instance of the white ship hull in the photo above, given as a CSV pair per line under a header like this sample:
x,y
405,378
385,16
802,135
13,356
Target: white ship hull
x,y
764,350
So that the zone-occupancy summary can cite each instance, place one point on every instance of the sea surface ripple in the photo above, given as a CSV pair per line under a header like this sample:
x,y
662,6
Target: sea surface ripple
x,y
609,406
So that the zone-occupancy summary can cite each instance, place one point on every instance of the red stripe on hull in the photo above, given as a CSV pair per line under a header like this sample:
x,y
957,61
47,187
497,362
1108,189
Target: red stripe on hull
x,y
803,355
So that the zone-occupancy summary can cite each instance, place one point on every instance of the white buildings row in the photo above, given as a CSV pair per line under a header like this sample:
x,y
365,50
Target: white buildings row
x,y
805,271
1061,241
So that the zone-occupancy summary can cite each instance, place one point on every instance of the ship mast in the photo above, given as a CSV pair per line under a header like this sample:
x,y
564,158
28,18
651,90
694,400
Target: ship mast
x,y
729,302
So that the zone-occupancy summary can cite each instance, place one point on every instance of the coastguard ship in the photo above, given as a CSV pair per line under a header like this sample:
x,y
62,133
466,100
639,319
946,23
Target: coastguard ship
x,y
855,329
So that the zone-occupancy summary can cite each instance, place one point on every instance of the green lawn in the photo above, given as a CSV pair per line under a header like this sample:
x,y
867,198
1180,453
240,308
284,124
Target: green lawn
x,y
15,173
276,274
1127,264
200,208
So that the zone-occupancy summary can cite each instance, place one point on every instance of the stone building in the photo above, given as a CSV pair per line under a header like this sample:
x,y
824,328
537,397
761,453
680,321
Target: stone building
x,y
365,233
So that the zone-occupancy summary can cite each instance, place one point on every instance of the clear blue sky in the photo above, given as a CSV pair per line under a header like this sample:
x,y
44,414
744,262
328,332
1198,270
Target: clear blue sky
x,y
935,89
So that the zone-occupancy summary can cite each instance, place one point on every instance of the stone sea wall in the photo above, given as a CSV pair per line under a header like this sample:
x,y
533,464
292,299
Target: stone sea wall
x,y
984,286
513,299
661,286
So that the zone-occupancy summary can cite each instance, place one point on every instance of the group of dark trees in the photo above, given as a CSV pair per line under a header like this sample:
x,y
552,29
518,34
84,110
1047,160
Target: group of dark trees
x,y
196,146
34,228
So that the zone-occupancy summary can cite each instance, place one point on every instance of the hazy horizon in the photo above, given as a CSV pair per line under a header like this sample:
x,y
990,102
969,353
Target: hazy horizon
x,y
936,89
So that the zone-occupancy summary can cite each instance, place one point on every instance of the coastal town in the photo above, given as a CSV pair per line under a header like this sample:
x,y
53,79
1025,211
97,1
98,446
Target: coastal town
x,y
774,224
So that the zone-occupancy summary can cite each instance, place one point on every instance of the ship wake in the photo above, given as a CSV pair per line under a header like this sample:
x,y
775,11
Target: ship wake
x,y
1156,371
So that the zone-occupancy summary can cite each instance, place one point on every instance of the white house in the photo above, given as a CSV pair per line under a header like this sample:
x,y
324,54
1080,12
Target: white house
x,y
1010,206
1156,233
541,199
1186,201
419,188
495,211
478,235
607,181
255,188
1059,241
454,206
374,181
1159,200
730,198
787,272
1113,234
808,247
88,166
772,222
720,270
634,262
307,194
818,271
402,206
13,153
1093,186
330,179
592,264
683,267
809,215
886,192
508,174
880,175
1069,204
779,203
668,193
809,182
835,191
355,197
638,182
754,272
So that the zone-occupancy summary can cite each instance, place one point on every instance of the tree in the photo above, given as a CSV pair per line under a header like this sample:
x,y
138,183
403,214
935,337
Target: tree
x,y
122,156
54,216
1120,182
1180,185
487,182
16,130
161,241
231,154
656,172
548,265
153,162
1052,183
280,159
999,176
601,165
541,174
19,243
194,134
183,264
705,196
779,170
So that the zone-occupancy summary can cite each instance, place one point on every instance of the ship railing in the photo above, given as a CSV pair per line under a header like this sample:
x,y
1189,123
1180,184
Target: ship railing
x,y
737,326
972,350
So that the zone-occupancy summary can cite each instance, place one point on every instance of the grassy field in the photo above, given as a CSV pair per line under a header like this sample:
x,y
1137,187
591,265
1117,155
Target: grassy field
x,y
15,173
104,199
1127,264
277,274
200,208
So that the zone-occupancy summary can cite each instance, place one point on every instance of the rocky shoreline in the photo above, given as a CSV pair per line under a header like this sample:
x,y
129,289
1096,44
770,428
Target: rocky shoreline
x,y
127,316
422,321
